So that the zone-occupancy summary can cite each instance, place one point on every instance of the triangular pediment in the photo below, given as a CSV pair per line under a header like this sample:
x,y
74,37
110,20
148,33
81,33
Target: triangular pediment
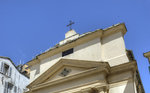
x,y
65,71
67,68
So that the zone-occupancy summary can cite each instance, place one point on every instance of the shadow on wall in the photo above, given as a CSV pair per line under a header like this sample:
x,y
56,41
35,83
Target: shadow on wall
x,y
129,87
123,87
37,70
111,38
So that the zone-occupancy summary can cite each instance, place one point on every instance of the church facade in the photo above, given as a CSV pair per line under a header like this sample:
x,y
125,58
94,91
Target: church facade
x,y
94,62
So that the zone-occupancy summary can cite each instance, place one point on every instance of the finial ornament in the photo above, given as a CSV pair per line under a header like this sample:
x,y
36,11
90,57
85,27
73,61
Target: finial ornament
x,y
70,24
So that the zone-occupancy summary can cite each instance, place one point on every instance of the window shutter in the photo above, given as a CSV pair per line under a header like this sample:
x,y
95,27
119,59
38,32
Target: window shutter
x,y
10,70
15,89
7,72
18,90
6,87
2,67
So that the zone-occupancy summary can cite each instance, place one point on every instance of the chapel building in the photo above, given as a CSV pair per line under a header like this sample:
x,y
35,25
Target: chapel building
x,y
94,62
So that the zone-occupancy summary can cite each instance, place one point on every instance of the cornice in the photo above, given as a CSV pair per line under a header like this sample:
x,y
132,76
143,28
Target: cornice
x,y
132,65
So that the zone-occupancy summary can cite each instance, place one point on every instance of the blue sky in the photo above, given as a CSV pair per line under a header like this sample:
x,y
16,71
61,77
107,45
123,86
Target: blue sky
x,y
29,27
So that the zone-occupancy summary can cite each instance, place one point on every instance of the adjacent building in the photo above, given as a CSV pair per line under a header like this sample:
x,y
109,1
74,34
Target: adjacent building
x,y
24,69
94,62
147,55
11,79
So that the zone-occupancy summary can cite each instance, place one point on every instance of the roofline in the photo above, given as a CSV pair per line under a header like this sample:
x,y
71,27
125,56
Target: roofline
x,y
98,33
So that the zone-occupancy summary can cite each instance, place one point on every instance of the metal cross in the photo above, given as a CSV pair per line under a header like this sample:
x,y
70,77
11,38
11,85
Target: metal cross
x,y
70,24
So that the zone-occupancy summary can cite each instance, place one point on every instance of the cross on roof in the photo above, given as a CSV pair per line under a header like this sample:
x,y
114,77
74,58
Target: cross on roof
x,y
70,24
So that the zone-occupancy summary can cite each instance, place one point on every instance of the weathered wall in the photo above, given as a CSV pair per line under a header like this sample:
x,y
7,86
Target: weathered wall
x,y
17,79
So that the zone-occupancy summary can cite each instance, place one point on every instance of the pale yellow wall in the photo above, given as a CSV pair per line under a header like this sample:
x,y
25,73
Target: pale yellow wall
x,y
41,67
113,49
122,83
87,51
122,87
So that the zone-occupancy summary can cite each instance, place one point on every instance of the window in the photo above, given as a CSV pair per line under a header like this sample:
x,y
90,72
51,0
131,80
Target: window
x,y
8,87
15,89
67,52
19,90
6,67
